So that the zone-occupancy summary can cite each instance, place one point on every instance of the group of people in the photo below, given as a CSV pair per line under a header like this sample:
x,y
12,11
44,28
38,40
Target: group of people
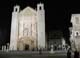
x,y
60,47
69,53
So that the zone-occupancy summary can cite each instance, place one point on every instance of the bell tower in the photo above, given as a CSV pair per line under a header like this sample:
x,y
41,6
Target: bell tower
x,y
14,28
41,25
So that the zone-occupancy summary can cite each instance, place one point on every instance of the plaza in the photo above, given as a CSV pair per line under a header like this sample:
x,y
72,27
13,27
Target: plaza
x,y
35,54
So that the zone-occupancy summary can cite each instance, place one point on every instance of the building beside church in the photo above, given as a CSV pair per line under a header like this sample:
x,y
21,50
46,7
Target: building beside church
x,y
28,28
56,39
75,32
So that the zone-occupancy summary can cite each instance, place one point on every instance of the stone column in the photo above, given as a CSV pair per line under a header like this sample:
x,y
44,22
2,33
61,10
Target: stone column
x,y
14,28
2,48
41,25
63,44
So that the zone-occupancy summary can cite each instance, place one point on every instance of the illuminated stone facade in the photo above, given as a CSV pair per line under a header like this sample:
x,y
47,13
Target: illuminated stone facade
x,y
28,28
75,32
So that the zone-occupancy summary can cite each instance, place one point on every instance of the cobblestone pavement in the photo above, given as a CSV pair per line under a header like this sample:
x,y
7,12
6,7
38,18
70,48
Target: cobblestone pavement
x,y
30,54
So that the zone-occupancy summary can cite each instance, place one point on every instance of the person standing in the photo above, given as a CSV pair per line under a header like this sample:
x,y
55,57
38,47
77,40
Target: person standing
x,y
76,54
40,51
69,52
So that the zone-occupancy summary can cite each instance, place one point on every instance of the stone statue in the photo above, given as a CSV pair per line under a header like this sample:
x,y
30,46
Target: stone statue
x,y
52,50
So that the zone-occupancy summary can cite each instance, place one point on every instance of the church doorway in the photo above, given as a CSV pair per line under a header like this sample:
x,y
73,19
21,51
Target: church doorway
x,y
26,47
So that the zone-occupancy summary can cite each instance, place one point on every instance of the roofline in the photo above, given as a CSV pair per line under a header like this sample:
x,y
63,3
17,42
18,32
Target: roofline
x,y
75,15
27,7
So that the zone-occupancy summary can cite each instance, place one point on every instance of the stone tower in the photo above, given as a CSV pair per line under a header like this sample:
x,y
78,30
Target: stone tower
x,y
75,32
41,25
14,29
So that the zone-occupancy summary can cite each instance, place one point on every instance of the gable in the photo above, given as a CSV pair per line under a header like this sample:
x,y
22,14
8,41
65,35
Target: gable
x,y
28,11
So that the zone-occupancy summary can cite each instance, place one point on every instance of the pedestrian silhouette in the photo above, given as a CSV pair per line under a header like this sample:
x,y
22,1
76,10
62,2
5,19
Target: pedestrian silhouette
x,y
40,51
76,54
69,53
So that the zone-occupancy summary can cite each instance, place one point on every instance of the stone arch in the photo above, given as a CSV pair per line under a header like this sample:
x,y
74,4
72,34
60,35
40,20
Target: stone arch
x,y
26,41
16,8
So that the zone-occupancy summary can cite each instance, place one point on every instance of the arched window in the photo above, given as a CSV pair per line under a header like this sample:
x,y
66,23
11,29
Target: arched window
x,y
76,33
25,32
40,8
16,9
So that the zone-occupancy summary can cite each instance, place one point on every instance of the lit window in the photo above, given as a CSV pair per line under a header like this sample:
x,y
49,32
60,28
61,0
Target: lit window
x,y
77,20
25,32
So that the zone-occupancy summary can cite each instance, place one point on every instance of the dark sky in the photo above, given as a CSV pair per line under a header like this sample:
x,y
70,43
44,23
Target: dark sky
x,y
58,15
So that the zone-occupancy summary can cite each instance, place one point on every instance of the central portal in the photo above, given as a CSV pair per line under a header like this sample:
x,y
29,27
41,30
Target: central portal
x,y
26,47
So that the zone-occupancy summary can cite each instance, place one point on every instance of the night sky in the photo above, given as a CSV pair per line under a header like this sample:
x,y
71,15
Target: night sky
x,y
58,15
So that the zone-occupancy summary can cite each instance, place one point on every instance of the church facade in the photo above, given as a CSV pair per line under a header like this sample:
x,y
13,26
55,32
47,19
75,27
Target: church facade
x,y
28,28
75,32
